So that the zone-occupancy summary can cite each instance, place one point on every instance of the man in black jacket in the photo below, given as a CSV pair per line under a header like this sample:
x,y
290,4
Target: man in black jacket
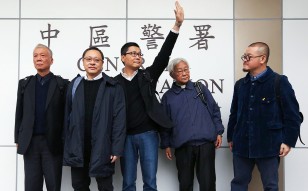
x,y
144,113
39,123
95,124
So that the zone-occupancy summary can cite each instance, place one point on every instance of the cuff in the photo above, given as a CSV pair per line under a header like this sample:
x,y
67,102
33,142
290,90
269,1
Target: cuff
x,y
174,31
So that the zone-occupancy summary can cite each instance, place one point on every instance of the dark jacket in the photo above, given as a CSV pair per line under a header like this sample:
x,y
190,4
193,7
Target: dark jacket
x,y
108,127
147,80
255,126
192,121
54,113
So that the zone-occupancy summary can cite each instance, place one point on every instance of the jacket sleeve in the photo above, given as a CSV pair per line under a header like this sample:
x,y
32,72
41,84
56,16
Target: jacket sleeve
x,y
162,59
290,108
119,121
165,135
216,115
18,112
233,112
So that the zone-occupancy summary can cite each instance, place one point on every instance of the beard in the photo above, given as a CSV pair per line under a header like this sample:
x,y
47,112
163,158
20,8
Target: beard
x,y
245,70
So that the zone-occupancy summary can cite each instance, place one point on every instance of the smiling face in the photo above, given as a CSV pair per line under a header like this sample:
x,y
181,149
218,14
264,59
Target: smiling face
x,y
93,63
42,60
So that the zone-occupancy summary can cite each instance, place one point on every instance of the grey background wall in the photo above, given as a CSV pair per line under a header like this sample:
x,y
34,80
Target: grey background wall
x,y
227,27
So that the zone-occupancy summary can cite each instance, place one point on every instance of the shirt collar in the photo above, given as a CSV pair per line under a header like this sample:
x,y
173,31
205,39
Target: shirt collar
x,y
254,78
99,76
45,78
129,78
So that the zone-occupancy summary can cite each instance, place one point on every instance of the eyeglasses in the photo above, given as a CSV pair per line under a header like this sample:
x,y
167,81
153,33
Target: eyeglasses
x,y
89,59
181,72
247,58
134,54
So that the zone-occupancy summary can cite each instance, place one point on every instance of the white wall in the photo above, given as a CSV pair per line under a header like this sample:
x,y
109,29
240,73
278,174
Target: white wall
x,y
295,40
22,20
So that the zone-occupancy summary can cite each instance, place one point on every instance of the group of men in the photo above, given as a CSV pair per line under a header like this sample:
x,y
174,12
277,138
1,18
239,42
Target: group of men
x,y
95,119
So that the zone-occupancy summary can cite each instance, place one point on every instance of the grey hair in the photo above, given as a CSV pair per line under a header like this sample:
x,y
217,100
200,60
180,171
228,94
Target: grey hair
x,y
43,46
175,62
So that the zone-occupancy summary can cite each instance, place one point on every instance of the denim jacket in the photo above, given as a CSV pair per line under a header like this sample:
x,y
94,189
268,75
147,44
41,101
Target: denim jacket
x,y
256,126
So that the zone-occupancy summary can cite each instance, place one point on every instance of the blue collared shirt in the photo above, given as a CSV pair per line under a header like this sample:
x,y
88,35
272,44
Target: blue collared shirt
x,y
254,78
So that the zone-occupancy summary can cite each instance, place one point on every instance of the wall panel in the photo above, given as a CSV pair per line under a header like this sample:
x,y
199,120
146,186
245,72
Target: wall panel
x,y
213,37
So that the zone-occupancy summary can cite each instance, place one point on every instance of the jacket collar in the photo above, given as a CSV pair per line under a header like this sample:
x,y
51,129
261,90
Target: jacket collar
x,y
45,78
178,89
261,79
108,79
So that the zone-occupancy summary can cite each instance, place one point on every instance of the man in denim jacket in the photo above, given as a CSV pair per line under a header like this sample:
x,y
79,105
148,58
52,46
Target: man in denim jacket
x,y
259,130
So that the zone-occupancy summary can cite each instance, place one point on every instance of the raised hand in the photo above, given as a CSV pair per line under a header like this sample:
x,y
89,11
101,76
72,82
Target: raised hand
x,y
179,16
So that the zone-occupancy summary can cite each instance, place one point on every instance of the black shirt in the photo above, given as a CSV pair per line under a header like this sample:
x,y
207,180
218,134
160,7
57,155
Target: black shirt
x,y
90,92
138,120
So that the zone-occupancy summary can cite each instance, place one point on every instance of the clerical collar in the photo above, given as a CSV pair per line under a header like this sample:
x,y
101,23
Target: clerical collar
x,y
181,86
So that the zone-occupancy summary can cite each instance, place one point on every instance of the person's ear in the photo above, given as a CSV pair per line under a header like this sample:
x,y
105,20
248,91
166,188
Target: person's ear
x,y
122,58
263,59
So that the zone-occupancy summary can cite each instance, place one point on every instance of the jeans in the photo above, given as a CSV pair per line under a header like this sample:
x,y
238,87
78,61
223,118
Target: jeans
x,y
268,168
145,146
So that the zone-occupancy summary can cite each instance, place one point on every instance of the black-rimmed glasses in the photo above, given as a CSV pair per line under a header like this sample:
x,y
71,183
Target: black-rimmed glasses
x,y
135,54
247,58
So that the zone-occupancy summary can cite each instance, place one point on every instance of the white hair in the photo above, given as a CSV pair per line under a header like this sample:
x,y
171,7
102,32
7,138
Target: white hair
x,y
175,62
43,46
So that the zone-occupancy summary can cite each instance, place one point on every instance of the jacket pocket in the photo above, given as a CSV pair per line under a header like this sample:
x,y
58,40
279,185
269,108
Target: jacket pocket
x,y
274,125
268,100
268,109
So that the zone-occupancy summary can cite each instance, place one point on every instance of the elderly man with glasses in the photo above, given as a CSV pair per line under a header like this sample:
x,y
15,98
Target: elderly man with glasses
x,y
197,129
